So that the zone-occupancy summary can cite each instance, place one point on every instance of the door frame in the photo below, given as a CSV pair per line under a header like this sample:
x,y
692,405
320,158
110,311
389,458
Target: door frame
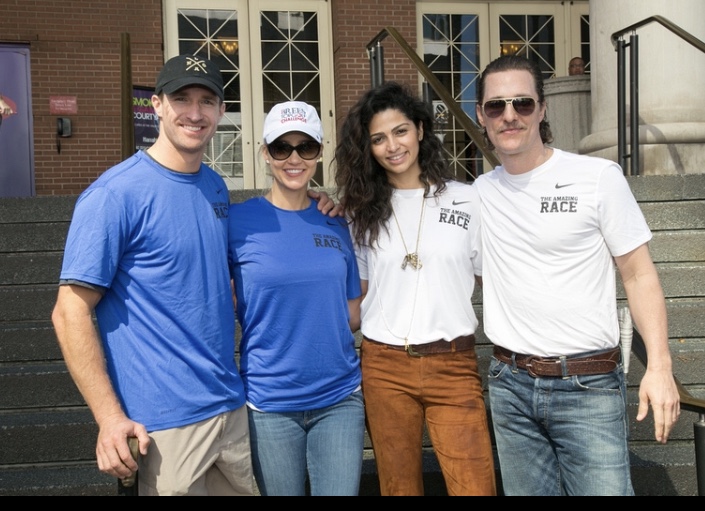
x,y
255,172
17,167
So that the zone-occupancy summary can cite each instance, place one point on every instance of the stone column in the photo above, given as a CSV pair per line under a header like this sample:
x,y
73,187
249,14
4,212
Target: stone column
x,y
671,84
568,112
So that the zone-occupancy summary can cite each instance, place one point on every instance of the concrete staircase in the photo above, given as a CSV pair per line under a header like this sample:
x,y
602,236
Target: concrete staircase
x,y
47,435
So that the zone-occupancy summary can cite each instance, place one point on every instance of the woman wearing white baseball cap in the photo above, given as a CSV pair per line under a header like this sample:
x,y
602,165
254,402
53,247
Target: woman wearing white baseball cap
x,y
298,297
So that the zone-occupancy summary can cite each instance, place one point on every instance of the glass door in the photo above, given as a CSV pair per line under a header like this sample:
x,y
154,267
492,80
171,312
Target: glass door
x,y
451,45
296,65
267,55
532,30
458,39
215,30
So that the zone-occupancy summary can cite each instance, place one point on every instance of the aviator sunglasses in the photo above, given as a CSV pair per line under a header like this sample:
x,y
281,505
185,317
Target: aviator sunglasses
x,y
495,107
280,150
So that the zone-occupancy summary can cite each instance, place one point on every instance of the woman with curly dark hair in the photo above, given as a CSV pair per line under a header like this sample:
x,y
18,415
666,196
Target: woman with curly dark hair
x,y
417,237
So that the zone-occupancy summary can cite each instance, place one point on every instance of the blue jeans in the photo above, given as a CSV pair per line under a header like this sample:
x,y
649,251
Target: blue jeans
x,y
560,436
327,444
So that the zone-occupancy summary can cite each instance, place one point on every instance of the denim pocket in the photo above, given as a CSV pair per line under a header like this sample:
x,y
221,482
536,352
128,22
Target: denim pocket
x,y
609,382
496,368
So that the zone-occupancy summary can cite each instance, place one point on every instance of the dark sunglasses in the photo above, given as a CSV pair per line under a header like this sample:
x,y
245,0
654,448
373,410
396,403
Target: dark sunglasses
x,y
308,150
495,107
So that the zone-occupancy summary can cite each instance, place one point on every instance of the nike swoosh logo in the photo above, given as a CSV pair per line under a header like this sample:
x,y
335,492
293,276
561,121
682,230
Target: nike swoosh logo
x,y
218,191
334,224
458,203
558,187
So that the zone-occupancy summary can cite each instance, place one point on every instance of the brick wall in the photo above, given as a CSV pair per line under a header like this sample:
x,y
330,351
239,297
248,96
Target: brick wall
x,y
75,51
355,24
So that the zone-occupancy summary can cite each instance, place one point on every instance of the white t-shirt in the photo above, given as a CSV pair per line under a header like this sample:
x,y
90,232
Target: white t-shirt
x,y
434,302
549,237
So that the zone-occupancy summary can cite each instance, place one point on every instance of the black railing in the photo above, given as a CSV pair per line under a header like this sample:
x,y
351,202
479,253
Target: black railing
x,y
620,47
689,403
375,51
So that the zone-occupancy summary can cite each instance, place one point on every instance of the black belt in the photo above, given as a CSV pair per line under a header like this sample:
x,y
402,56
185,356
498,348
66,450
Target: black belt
x,y
463,343
599,363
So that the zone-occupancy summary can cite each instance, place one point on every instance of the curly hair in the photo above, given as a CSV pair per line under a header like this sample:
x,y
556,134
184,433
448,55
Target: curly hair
x,y
364,189
516,63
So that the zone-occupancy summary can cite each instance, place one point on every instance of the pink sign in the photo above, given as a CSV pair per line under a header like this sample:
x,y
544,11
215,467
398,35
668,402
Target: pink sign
x,y
63,105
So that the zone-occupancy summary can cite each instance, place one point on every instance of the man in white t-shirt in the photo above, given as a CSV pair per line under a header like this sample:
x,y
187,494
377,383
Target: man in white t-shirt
x,y
553,226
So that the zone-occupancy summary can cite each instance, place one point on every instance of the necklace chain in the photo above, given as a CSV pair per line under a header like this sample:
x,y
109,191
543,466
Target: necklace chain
x,y
412,258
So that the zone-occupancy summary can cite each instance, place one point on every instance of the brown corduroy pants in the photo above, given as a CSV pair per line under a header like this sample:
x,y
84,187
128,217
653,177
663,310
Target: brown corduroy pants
x,y
444,391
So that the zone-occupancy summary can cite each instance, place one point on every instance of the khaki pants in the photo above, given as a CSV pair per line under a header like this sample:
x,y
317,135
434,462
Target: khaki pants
x,y
445,391
211,457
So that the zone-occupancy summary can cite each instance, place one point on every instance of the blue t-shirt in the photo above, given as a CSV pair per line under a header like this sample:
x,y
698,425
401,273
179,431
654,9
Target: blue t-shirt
x,y
157,241
294,273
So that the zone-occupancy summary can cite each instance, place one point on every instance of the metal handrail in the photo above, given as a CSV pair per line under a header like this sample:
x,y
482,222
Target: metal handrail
x,y
689,403
620,48
683,34
375,52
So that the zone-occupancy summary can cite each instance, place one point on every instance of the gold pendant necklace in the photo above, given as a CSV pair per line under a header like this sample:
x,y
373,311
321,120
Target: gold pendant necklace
x,y
415,262
412,258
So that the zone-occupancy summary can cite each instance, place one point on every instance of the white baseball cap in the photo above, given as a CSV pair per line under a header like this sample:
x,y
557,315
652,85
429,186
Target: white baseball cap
x,y
292,116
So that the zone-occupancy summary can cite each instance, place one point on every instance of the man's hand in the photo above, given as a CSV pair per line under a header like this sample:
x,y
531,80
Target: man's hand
x,y
326,205
112,450
658,389
648,309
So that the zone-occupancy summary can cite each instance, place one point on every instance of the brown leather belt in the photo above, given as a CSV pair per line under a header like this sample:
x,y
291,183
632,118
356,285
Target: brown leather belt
x,y
464,343
600,363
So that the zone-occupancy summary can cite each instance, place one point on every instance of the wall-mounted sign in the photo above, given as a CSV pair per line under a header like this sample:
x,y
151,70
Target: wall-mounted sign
x,y
145,118
63,105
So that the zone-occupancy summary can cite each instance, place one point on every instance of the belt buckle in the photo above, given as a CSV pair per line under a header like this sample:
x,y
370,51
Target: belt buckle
x,y
412,353
528,366
560,361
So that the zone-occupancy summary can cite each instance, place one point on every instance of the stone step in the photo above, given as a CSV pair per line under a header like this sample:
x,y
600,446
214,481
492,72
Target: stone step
x,y
665,188
35,303
33,237
27,303
23,268
56,480
45,409
656,470
674,216
28,342
679,280
50,435
37,209
677,246
32,341
38,385
40,359
686,318
664,470
39,231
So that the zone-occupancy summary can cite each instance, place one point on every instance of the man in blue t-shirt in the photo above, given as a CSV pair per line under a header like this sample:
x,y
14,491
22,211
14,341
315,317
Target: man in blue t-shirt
x,y
147,253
